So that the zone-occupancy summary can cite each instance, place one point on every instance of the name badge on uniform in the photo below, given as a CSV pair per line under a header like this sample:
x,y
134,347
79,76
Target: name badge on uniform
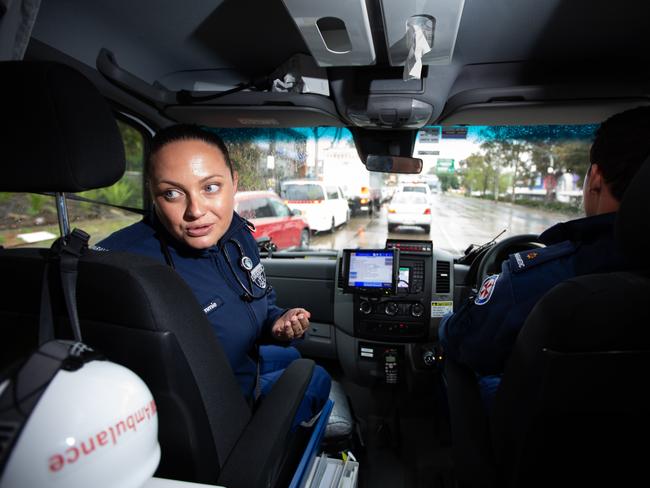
x,y
258,276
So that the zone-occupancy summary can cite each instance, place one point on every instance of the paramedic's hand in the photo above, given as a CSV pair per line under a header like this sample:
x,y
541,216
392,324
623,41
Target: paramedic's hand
x,y
292,324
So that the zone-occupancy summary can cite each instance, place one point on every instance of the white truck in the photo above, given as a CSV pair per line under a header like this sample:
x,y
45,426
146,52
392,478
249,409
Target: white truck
x,y
362,188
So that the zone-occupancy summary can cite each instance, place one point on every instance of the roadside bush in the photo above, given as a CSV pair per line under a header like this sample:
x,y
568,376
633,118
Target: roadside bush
x,y
121,193
555,205
39,204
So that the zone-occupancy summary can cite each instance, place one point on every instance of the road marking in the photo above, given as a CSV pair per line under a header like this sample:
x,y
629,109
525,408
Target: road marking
x,y
453,246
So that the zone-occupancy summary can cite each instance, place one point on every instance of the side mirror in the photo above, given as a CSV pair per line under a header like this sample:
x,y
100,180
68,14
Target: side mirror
x,y
393,164
296,212
266,244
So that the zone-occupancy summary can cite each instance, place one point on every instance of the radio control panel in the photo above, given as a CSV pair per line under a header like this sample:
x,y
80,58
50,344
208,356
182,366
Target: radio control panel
x,y
404,316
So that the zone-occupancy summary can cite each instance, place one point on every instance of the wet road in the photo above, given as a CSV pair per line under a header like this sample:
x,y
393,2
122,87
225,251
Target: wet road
x,y
457,223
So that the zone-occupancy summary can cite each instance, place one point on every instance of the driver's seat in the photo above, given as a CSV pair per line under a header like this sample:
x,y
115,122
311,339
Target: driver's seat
x,y
573,404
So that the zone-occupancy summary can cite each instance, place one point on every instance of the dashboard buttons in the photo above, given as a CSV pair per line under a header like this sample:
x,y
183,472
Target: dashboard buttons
x,y
428,357
365,307
417,309
391,308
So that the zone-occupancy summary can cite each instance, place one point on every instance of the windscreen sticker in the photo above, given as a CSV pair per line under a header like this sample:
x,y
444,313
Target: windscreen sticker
x,y
438,309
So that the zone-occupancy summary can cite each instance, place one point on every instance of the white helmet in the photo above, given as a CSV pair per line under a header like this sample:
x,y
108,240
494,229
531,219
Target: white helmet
x,y
78,422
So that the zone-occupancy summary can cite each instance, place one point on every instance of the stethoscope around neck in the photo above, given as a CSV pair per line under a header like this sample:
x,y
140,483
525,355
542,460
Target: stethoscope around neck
x,y
245,263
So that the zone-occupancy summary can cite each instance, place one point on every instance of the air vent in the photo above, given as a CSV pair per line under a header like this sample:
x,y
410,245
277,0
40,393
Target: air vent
x,y
341,279
8,431
443,277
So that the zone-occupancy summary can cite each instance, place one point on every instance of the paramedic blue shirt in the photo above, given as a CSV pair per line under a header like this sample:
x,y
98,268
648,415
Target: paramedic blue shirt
x,y
482,333
238,323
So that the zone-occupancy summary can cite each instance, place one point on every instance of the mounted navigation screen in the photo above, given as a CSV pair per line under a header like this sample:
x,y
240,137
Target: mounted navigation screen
x,y
371,271
403,277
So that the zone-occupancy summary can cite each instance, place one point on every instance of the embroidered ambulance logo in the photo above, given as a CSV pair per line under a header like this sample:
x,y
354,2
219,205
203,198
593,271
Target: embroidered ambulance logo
x,y
258,276
485,293
531,255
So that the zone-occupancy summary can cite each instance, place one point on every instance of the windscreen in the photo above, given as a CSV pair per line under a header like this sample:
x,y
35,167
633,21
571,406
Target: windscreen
x,y
410,198
483,180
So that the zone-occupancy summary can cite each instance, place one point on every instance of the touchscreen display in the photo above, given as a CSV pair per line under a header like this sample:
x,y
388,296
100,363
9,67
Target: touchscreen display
x,y
403,277
371,269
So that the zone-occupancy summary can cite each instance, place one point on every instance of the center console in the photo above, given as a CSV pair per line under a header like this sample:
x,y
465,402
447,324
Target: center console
x,y
395,309
388,306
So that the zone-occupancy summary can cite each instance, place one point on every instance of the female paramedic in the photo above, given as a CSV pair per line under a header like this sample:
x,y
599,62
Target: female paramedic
x,y
195,230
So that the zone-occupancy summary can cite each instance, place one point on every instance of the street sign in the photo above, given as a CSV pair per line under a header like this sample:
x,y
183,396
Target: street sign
x,y
445,165
429,135
454,132
428,153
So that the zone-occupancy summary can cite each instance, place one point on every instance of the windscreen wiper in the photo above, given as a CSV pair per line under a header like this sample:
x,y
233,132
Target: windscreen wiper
x,y
472,251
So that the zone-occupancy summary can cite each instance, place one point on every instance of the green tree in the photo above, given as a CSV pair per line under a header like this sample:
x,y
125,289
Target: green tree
x,y
496,159
133,146
447,181
247,160
477,174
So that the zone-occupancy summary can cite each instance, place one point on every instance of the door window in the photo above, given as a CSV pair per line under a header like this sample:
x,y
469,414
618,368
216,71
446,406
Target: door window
x,y
262,208
30,219
280,209
332,193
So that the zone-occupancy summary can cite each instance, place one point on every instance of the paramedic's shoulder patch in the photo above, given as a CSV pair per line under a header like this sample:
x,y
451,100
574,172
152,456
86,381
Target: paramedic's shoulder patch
x,y
487,288
521,261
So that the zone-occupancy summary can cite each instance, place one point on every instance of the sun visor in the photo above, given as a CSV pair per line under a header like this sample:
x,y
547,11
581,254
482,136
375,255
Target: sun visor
x,y
337,32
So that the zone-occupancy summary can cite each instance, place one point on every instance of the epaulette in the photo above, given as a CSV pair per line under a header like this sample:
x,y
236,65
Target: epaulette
x,y
521,261
249,224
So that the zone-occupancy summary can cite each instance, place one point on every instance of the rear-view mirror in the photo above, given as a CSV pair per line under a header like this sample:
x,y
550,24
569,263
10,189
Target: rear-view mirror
x,y
393,164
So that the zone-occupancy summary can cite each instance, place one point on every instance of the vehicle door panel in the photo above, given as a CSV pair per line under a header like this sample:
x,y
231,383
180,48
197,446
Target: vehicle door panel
x,y
287,225
308,284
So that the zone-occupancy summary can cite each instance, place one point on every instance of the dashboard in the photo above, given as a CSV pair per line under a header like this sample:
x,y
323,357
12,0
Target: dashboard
x,y
379,331
390,334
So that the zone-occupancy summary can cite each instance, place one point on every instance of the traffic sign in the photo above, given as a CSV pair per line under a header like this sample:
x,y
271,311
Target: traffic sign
x,y
445,165
456,132
429,135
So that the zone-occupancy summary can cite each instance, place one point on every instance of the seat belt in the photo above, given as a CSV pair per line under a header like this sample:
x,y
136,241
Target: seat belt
x,y
66,250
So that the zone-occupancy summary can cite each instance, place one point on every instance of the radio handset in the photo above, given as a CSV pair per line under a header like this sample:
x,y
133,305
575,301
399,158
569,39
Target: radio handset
x,y
391,366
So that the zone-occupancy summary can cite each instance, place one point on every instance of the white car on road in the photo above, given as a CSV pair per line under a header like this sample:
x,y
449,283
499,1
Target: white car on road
x,y
323,206
417,188
409,208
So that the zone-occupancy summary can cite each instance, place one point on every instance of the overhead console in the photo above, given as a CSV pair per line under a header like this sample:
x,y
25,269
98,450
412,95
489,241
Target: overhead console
x,y
396,41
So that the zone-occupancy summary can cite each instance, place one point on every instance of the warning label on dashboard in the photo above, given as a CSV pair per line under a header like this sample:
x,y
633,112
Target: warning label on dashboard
x,y
438,309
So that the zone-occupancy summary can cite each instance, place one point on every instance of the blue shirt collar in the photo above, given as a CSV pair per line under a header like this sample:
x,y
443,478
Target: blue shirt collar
x,y
584,229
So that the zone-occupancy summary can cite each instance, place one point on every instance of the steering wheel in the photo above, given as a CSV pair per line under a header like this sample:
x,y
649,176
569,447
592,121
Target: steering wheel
x,y
491,260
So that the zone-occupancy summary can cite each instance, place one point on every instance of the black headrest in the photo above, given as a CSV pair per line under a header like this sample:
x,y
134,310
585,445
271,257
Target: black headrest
x,y
633,220
57,133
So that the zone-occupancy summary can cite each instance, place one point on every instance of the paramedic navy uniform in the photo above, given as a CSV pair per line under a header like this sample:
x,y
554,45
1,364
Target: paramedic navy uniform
x,y
237,323
482,333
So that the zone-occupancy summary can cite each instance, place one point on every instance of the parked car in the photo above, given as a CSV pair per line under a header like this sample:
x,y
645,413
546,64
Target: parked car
x,y
409,208
323,206
272,218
